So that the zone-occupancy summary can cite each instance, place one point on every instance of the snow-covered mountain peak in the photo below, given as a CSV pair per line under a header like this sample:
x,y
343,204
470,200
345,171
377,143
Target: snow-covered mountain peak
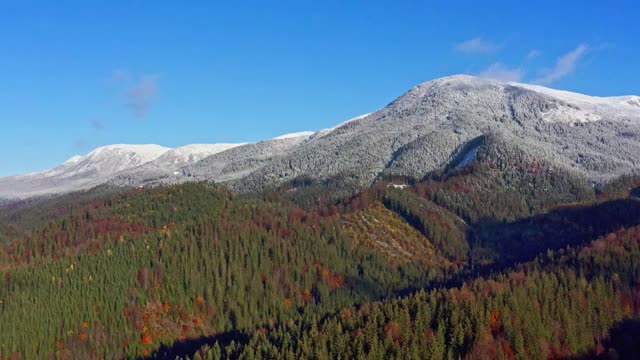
x,y
72,160
326,131
191,153
294,135
456,81
633,101
469,81
414,134
108,160
586,108
146,152
576,98
563,106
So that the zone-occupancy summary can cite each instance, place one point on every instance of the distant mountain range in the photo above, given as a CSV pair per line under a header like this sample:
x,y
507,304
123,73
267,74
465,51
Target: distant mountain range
x,y
435,126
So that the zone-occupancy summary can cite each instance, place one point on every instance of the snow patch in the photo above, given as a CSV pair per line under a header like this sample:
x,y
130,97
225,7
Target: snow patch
x,y
589,108
72,160
146,152
398,186
294,135
189,154
566,114
350,120
634,101
324,132
468,157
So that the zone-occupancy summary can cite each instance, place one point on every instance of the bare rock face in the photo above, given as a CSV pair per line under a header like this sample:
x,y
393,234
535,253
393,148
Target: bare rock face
x,y
430,128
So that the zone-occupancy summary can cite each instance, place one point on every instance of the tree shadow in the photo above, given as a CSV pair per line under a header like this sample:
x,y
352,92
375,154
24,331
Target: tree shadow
x,y
510,244
525,239
188,347
635,192
513,243
623,342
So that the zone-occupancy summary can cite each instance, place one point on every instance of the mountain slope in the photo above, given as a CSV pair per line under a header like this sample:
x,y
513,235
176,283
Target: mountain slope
x,y
156,273
233,163
422,132
80,172
166,167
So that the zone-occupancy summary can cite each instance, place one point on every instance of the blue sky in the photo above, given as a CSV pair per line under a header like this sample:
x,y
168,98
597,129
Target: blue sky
x,y
77,75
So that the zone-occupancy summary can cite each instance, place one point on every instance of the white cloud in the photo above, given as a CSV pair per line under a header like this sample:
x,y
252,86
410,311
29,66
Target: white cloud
x,y
120,76
97,124
476,45
80,144
565,65
141,94
499,71
534,54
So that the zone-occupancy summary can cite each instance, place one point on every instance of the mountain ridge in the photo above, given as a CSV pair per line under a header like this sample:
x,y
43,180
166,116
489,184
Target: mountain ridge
x,y
419,132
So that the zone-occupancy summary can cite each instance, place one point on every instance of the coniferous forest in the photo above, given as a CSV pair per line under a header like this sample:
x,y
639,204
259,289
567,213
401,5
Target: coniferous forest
x,y
319,180
450,267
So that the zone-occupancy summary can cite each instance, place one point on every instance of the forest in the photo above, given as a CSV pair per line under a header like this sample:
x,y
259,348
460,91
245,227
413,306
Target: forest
x,y
441,268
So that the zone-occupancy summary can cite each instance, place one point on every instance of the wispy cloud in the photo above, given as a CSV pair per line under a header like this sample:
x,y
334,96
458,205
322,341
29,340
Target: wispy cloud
x,y
97,124
533,54
120,76
499,71
80,144
565,65
476,45
140,92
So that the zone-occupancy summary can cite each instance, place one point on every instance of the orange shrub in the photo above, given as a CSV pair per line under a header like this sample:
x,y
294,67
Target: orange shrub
x,y
495,322
392,331
146,339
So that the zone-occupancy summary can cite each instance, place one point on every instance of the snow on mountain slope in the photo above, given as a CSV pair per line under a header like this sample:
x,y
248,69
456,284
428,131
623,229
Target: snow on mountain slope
x,y
240,161
579,99
191,153
419,132
114,158
72,160
82,172
633,101
468,158
168,165
294,135
326,131
586,108
422,130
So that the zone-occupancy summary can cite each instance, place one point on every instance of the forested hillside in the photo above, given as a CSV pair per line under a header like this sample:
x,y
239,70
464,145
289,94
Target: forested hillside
x,y
412,271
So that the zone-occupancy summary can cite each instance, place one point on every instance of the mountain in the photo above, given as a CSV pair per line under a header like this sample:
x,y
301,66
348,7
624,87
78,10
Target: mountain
x,y
80,172
431,128
228,164
167,165
425,130
496,244
190,153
